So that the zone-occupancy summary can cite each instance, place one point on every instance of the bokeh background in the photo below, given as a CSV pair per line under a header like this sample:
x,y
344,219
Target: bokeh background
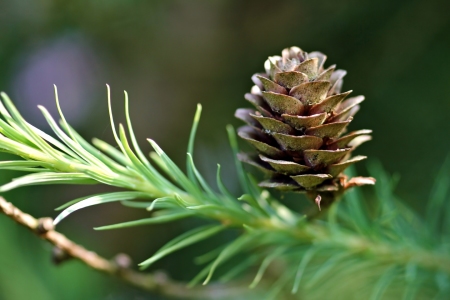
x,y
170,55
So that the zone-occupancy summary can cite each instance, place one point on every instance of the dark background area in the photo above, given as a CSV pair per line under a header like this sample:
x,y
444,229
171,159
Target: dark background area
x,y
170,55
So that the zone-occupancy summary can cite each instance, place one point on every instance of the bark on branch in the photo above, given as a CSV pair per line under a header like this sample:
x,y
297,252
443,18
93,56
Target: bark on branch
x,y
157,282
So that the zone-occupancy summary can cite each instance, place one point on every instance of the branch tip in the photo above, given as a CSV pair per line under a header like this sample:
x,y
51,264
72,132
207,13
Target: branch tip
x,y
317,200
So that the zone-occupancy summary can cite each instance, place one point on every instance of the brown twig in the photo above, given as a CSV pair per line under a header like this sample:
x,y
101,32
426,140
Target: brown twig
x,y
157,282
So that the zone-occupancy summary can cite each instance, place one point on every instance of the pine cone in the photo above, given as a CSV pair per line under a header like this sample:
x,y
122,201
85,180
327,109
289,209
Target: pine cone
x,y
297,126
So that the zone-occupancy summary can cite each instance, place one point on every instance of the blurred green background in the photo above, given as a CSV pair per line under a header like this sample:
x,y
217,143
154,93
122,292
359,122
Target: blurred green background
x,y
170,55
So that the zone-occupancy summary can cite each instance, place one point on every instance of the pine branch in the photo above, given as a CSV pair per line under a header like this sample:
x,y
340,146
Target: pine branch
x,y
158,283
384,250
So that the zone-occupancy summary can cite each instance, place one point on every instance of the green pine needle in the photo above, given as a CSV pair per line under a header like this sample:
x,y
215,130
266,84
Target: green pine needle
x,y
154,220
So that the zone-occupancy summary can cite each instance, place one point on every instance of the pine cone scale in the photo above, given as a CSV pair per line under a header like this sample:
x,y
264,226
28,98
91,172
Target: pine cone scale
x,y
303,122
297,143
311,93
318,159
311,180
329,130
290,79
308,67
283,104
328,104
271,86
285,167
273,125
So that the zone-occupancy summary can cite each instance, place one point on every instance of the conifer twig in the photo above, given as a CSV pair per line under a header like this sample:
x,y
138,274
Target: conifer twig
x,y
157,282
